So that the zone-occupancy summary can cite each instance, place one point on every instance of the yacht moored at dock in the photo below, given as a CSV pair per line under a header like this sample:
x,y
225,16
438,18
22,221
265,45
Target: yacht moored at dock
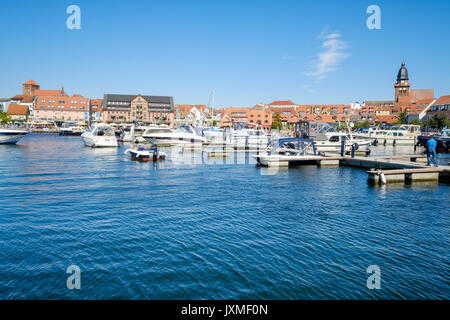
x,y
328,139
396,135
285,151
167,136
100,136
11,136
332,142
71,131
251,137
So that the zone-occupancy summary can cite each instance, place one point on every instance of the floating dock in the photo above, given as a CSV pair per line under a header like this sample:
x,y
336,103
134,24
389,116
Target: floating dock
x,y
383,169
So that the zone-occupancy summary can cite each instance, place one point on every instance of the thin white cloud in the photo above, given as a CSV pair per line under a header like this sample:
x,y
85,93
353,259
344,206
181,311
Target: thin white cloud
x,y
334,53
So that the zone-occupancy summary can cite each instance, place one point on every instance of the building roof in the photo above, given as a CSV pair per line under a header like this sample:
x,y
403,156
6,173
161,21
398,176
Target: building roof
x,y
129,98
17,110
50,93
402,73
31,82
379,102
443,100
237,109
281,103
17,97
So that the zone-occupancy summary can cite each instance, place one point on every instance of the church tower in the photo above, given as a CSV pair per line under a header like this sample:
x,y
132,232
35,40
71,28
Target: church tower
x,y
402,93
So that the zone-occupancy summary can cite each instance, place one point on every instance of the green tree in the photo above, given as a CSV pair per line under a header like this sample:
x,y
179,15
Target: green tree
x,y
438,121
415,121
214,123
402,118
4,118
276,122
364,124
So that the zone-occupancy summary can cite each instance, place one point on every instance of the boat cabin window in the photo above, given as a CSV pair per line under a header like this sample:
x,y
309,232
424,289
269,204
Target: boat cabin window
x,y
334,139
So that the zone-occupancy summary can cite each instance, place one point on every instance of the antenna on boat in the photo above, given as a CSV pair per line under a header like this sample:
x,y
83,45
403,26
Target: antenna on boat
x,y
210,102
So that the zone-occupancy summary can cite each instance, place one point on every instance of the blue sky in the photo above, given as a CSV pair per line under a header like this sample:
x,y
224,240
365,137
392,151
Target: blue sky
x,y
249,51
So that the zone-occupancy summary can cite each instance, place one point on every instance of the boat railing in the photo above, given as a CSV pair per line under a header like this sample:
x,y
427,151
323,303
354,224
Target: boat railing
x,y
300,145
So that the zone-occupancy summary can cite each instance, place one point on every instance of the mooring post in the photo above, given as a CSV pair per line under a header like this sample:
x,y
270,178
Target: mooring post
x,y
343,146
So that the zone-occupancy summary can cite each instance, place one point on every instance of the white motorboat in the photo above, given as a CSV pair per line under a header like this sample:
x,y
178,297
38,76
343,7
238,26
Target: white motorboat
x,y
252,137
332,142
145,154
100,136
11,136
396,135
328,139
134,133
166,136
213,134
288,151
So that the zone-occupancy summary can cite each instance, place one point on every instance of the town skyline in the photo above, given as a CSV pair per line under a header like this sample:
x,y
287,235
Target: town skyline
x,y
269,52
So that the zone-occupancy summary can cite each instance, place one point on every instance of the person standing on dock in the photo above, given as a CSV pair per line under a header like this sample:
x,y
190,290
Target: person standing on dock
x,y
431,151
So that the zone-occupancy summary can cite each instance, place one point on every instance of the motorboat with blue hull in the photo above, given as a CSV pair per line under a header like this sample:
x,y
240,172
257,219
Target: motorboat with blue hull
x,y
145,154
11,136
288,150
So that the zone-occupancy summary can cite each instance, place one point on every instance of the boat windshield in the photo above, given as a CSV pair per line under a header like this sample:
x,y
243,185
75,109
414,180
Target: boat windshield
x,y
184,129
103,131
157,130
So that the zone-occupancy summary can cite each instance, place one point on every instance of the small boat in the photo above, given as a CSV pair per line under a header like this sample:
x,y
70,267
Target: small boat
x,y
71,131
288,150
143,154
11,136
100,136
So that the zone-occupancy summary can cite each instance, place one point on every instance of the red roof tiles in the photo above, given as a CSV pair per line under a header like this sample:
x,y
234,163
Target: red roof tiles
x,y
281,103
31,82
17,110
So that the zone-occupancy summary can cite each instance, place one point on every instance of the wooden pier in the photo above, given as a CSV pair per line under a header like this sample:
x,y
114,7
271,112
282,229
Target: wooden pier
x,y
404,175
383,169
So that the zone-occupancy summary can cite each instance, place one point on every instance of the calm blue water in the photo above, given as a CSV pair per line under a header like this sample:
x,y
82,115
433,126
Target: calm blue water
x,y
207,229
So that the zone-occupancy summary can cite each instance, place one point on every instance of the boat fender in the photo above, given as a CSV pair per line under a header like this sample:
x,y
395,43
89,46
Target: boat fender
x,y
356,146
382,178
375,141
